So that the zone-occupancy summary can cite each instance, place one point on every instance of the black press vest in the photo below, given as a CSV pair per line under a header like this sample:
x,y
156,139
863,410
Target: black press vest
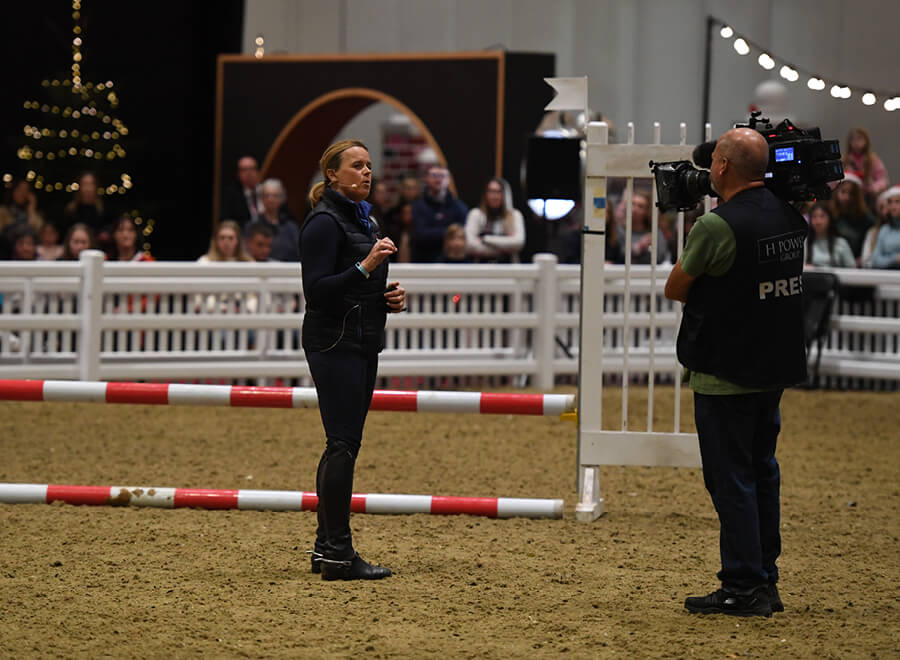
x,y
747,325
354,322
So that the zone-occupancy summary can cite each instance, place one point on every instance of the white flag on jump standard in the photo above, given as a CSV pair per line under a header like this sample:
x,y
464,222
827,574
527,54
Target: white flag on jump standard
x,y
571,93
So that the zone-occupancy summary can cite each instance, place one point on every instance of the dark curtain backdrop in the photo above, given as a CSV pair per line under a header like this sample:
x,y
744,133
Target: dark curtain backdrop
x,y
162,58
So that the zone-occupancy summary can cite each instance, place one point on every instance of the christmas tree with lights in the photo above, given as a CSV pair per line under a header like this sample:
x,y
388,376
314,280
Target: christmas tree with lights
x,y
73,128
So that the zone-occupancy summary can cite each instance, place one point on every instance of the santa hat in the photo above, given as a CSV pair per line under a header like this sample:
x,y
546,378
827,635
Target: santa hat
x,y
893,191
850,176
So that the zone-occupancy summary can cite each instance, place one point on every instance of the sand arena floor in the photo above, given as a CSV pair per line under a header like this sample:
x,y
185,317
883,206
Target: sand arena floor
x,y
85,582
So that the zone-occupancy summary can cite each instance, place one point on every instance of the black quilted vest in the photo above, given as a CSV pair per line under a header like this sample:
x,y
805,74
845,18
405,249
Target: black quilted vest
x,y
354,322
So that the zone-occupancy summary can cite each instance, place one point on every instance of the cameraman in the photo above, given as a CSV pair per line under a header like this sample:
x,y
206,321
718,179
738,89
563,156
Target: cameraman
x,y
741,341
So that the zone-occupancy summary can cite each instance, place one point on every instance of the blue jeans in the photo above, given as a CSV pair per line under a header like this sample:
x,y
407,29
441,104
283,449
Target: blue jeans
x,y
737,445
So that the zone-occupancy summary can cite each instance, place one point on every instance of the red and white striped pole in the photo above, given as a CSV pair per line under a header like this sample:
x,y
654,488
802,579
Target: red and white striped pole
x,y
276,500
176,394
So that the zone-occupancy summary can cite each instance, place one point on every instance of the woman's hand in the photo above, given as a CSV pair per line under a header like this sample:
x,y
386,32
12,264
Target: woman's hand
x,y
395,297
383,248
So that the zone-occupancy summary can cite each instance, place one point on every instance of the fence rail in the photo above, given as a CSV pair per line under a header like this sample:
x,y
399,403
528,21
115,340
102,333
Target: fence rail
x,y
93,320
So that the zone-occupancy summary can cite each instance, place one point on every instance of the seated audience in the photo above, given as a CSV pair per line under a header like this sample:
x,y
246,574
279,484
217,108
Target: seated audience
x,y
851,217
87,208
78,239
401,234
225,244
125,242
380,200
436,210
859,159
49,248
823,246
24,243
886,253
495,231
454,248
393,225
19,209
258,239
640,232
285,230
883,216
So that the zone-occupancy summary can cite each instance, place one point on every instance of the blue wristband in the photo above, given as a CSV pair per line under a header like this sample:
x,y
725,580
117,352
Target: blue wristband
x,y
362,270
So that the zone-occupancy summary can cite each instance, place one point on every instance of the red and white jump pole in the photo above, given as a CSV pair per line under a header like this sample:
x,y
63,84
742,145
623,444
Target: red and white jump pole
x,y
276,500
176,394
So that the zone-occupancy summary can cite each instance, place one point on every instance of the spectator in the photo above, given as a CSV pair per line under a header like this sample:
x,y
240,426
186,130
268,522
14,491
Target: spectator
x,y
78,239
49,248
495,231
242,201
883,215
19,209
401,234
259,237
285,230
393,225
851,217
381,202
225,245
87,208
823,246
436,210
125,241
615,240
859,159
24,243
886,253
20,206
454,251
640,232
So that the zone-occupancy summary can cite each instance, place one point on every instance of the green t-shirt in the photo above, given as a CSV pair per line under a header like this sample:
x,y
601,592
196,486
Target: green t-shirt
x,y
710,250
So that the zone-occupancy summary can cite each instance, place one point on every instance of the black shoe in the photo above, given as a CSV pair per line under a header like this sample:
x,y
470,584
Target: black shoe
x,y
353,569
775,599
315,561
723,602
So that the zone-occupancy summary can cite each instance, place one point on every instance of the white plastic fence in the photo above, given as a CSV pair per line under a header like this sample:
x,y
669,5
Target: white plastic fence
x,y
182,321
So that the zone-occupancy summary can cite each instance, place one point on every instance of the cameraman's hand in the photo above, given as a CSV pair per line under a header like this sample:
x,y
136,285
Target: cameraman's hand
x,y
383,248
395,297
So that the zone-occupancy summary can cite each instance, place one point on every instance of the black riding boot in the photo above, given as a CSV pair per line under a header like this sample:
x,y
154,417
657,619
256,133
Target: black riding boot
x,y
338,560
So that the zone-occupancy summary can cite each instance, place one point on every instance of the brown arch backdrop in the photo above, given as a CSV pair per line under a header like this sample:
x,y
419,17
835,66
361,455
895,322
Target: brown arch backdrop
x,y
475,109
294,156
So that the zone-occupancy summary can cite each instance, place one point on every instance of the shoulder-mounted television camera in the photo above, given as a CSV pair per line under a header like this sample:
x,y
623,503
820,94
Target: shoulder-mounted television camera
x,y
800,166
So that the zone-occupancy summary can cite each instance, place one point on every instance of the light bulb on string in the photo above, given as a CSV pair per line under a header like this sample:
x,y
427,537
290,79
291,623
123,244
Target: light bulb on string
x,y
765,61
816,84
869,98
892,104
790,74
741,46
726,32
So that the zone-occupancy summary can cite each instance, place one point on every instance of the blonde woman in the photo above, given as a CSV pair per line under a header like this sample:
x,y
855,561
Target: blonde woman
x,y
225,245
348,297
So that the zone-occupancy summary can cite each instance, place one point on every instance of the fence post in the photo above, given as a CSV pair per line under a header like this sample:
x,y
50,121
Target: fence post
x,y
90,305
547,291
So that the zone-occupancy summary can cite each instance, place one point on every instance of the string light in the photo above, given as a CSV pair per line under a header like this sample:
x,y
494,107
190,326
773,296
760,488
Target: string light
x,y
791,73
75,126
766,61
260,47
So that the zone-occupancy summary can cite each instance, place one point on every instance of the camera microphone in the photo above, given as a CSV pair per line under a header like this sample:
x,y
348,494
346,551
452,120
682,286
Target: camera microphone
x,y
702,155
